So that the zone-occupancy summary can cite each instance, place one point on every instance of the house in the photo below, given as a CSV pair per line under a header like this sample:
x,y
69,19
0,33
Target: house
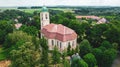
x,y
99,19
18,25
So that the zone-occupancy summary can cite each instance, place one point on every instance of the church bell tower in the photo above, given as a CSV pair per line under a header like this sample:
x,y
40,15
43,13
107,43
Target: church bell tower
x,y
44,17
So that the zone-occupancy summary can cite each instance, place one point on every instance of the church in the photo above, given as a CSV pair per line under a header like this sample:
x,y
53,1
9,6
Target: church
x,y
56,34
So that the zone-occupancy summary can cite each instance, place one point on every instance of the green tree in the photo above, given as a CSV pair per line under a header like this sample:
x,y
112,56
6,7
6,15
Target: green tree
x,y
85,48
109,56
82,63
2,36
79,63
72,51
36,21
44,48
77,49
64,61
13,38
102,48
115,46
63,55
69,53
112,34
90,60
31,30
106,44
98,53
36,42
5,28
25,56
55,56
96,36
66,64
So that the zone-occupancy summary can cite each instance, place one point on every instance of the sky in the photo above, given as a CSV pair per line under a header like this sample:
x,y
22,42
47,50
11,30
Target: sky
x,y
9,3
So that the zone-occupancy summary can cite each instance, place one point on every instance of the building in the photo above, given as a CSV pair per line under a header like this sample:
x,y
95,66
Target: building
x,y
88,17
18,25
102,20
99,19
56,34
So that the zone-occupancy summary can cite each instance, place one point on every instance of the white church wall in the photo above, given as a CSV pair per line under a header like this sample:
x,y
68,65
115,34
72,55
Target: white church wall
x,y
61,45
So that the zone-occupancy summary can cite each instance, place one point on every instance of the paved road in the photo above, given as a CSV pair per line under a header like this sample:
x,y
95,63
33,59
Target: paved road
x,y
116,63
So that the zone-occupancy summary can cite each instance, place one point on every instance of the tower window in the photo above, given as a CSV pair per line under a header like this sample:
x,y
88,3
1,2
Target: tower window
x,y
46,16
73,43
41,16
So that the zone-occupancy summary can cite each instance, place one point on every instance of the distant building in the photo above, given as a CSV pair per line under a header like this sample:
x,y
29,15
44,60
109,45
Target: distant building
x,y
18,25
88,17
56,34
99,19
103,20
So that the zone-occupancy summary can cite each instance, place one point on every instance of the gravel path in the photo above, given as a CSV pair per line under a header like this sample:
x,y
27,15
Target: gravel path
x,y
116,63
4,63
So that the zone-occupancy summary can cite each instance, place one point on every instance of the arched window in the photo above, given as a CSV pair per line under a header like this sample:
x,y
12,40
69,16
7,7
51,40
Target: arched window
x,y
68,43
52,42
73,43
57,43
60,45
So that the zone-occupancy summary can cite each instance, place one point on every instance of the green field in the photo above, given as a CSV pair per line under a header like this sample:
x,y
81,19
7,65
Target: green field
x,y
38,10
32,10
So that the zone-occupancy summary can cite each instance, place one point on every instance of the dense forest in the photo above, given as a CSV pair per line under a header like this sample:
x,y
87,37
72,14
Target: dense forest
x,y
98,44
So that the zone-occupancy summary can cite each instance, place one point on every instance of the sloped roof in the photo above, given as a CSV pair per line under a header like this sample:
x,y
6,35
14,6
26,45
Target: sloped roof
x,y
102,20
18,25
88,17
59,32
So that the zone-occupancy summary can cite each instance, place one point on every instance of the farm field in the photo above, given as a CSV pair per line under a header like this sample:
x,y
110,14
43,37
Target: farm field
x,y
38,9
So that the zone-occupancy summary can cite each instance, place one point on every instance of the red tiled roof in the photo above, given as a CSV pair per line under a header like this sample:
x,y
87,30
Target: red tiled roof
x,y
18,25
100,20
58,31
88,17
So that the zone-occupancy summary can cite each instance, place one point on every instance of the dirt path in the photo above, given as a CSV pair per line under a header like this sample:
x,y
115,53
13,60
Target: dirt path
x,y
5,63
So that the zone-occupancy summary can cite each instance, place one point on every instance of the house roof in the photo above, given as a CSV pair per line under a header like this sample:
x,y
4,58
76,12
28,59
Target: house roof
x,y
99,19
103,20
18,25
59,32
88,17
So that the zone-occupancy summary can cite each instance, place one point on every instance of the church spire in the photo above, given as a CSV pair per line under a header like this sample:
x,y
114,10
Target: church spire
x,y
44,9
